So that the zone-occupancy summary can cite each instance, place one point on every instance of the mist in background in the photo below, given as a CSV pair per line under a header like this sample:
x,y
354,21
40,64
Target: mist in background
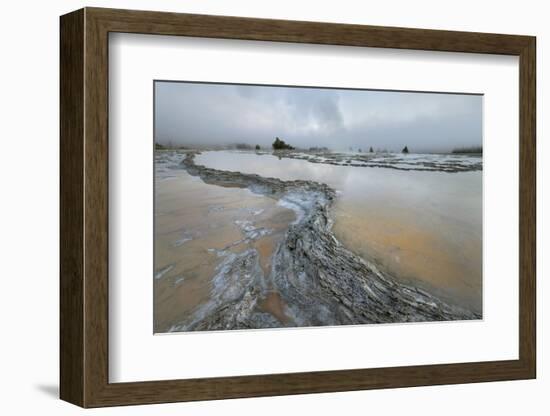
x,y
200,114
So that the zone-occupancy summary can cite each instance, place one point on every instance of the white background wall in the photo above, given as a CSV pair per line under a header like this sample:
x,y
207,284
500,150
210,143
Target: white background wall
x,y
29,224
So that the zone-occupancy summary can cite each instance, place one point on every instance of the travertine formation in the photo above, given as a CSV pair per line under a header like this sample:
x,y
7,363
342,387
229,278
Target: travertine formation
x,y
449,163
316,277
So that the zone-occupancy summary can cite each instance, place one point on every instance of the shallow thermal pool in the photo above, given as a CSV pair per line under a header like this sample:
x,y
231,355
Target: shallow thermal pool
x,y
423,227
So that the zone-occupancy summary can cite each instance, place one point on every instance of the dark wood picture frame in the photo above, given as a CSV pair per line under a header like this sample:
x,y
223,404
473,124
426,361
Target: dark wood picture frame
x,y
84,207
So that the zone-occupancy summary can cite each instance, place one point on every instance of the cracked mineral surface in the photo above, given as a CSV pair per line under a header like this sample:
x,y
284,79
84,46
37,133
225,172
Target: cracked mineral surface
x,y
298,274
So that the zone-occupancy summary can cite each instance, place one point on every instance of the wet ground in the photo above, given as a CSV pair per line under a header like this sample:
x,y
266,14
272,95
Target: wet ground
x,y
423,226
195,225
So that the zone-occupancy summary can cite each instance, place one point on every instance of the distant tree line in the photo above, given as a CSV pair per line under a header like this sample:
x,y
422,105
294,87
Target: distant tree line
x,y
167,146
371,150
468,150
279,144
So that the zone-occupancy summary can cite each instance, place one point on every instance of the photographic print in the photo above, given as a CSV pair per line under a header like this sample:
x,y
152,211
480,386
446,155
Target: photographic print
x,y
290,206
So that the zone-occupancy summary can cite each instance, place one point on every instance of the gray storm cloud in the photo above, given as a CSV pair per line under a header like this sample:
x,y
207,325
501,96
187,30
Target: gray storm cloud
x,y
221,114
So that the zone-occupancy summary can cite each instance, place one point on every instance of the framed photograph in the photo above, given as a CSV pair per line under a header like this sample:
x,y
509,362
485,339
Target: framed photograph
x,y
255,207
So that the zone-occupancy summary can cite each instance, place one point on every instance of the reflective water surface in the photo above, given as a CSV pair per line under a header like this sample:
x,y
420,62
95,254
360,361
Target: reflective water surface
x,y
195,224
422,227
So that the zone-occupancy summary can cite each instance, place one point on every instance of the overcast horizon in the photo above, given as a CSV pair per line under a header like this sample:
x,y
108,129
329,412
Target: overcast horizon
x,y
203,114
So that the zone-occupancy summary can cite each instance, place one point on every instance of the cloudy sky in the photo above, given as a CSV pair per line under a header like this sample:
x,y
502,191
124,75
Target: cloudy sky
x,y
206,114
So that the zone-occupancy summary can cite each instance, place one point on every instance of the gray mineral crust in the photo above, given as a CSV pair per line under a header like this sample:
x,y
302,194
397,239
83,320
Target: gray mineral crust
x,y
320,281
